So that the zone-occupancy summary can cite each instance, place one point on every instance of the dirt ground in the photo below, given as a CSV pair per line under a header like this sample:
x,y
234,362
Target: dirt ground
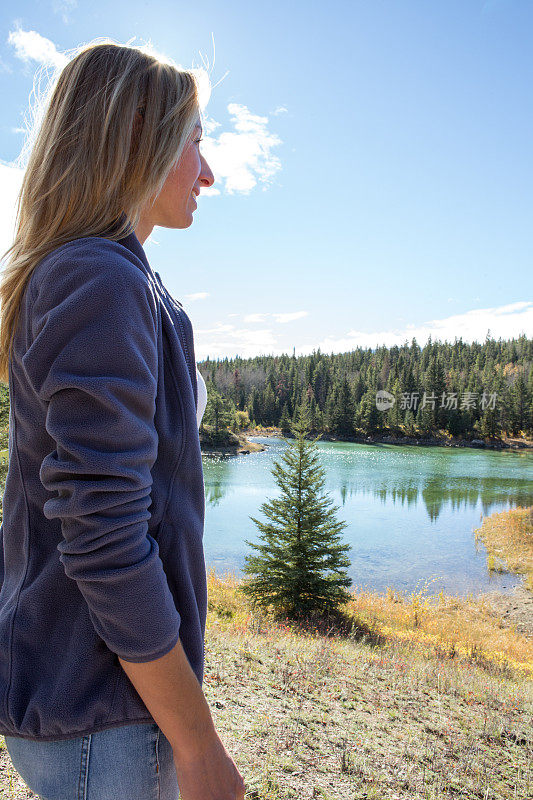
x,y
514,608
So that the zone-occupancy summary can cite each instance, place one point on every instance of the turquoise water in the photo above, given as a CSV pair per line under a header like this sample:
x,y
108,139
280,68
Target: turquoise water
x,y
410,510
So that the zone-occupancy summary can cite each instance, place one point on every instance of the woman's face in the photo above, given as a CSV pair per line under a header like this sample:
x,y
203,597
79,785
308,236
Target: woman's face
x,y
175,203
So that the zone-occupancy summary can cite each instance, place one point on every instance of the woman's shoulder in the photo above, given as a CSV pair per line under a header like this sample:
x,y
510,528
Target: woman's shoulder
x,y
98,250
86,258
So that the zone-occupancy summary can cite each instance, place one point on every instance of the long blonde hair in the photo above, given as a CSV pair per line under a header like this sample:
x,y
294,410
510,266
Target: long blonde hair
x,y
117,120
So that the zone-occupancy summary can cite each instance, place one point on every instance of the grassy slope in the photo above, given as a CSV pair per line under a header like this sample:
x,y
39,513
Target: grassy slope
x,y
427,697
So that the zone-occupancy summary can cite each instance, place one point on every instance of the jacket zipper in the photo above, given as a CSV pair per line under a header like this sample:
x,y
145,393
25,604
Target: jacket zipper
x,y
184,339
177,308
187,358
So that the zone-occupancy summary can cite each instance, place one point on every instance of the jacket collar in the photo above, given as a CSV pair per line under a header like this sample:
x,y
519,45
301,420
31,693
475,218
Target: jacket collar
x,y
130,240
132,243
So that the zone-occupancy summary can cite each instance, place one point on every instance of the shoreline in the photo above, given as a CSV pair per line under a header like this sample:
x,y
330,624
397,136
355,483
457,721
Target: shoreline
x,y
244,447
514,608
476,444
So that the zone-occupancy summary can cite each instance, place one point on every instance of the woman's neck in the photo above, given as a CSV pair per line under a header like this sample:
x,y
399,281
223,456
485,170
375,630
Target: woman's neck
x,y
143,230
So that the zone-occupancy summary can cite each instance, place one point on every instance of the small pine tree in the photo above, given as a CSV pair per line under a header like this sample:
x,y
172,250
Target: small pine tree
x,y
285,421
342,411
489,422
520,405
301,563
219,411
368,417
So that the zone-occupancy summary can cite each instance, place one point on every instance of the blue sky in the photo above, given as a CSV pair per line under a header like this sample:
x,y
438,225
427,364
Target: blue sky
x,y
372,159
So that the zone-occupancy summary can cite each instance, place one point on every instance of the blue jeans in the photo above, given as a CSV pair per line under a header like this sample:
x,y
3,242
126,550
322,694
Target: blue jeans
x,y
130,762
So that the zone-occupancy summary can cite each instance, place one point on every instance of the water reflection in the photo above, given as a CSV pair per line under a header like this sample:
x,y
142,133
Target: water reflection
x,y
411,511
397,485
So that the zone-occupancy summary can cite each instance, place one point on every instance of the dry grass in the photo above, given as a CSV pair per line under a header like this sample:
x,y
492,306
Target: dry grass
x,y
407,697
384,712
466,627
508,537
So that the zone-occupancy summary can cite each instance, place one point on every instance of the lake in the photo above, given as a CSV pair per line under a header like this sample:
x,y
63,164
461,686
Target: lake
x,y
411,511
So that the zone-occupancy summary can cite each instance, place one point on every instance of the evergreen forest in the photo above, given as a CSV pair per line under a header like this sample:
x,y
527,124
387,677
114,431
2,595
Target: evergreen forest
x,y
441,389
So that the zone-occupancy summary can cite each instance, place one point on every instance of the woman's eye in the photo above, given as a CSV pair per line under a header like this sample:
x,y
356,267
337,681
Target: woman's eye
x,y
200,140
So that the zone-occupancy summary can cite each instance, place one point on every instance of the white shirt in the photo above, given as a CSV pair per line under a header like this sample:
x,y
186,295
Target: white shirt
x,y
202,397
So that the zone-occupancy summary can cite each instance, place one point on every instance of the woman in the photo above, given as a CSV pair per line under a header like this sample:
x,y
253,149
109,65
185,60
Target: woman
x,y
102,644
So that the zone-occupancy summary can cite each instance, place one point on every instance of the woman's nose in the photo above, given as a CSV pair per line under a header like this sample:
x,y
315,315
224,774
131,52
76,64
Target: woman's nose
x,y
206,176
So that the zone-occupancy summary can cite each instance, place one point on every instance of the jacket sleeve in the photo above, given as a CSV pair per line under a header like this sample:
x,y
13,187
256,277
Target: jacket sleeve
x,y
93,361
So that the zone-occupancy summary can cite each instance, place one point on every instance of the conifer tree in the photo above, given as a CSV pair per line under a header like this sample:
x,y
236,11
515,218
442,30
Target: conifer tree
x,y
314,415
530,396
269,405
488,423
219,412
342,412
424,417
368,416
300,565
285,421
520,404
395,414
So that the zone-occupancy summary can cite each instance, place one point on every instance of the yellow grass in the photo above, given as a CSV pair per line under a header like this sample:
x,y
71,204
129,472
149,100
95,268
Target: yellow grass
x,y
508,537
441,624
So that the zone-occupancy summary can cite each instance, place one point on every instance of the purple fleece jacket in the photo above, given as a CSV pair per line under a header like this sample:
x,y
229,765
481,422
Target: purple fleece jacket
x,y
101,546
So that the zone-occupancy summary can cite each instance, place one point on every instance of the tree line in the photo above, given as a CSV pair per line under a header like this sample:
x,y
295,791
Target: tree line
x,y
467,390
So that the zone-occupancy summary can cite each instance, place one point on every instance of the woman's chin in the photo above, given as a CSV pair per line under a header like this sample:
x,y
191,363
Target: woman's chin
x,y
185,221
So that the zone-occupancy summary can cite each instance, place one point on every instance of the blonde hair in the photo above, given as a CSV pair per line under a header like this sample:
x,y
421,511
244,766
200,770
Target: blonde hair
x,y
117,120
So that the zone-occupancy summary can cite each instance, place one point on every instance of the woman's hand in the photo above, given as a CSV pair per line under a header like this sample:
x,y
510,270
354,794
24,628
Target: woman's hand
x,y
208,772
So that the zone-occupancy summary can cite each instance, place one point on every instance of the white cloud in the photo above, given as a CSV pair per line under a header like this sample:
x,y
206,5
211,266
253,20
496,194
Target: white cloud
x,y
242,158
10,180
31,46
506,322
210,125
290,316
255,317
226,340
282,317
197,296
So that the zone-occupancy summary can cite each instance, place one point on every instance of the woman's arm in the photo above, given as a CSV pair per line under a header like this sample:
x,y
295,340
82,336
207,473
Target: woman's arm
x,y
171,692
94,362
